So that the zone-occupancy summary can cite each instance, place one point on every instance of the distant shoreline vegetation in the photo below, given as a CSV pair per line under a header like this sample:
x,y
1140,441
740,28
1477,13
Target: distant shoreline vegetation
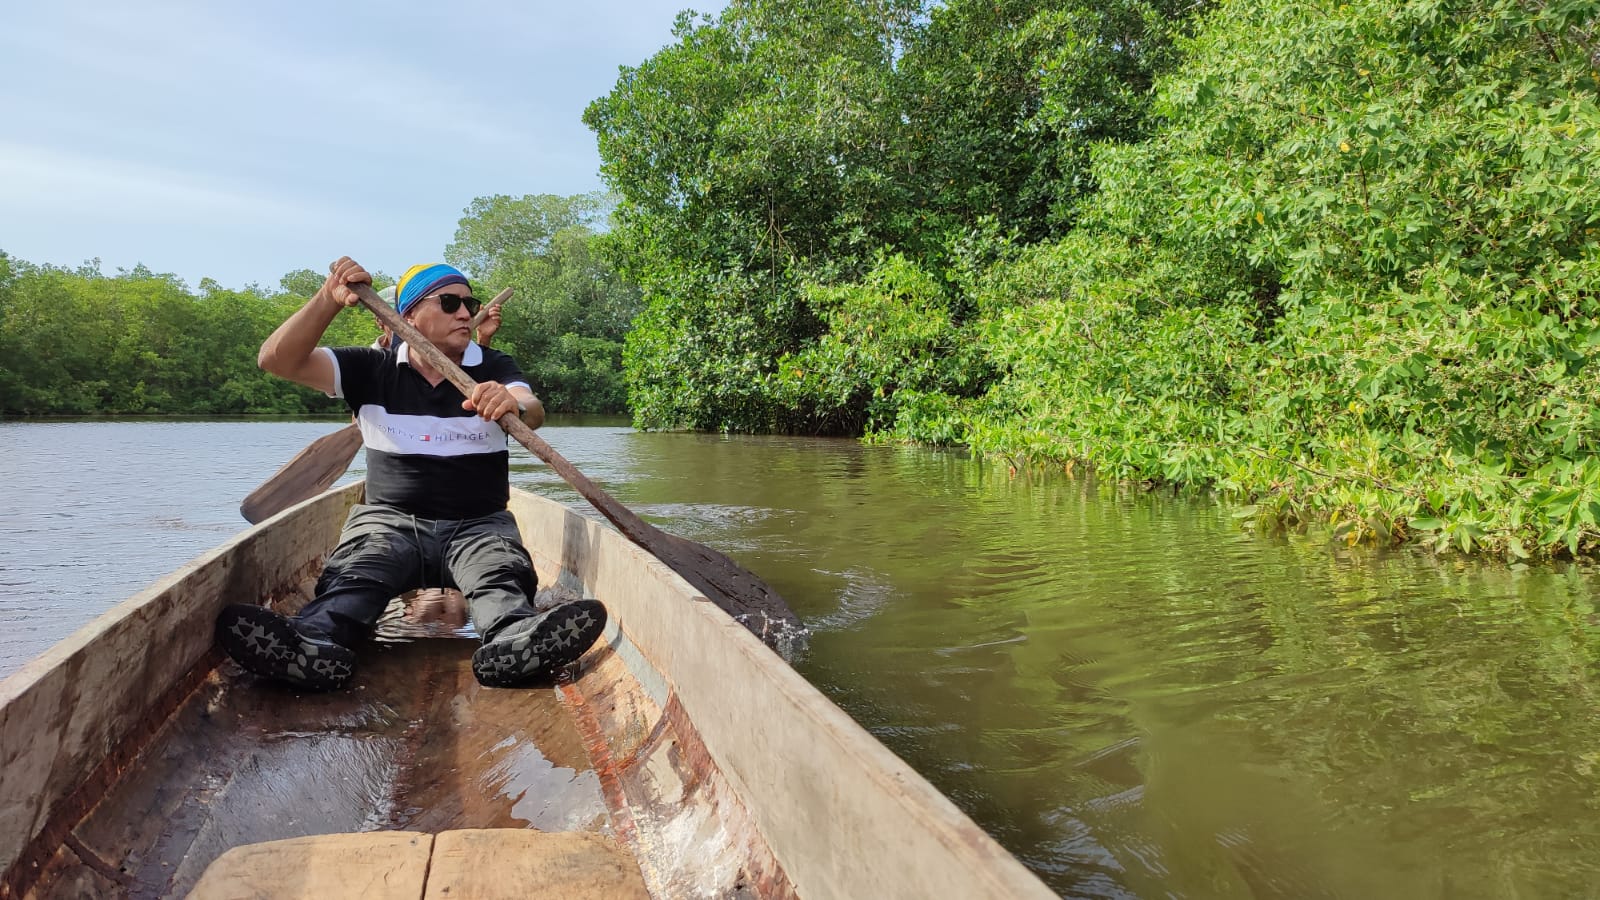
x,y
80,342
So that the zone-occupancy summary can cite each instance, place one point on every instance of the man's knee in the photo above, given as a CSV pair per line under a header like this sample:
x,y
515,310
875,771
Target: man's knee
x,y
490,558
374,559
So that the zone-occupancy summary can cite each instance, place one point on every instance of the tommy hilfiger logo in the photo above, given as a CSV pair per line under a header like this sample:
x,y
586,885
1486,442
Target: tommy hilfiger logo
x,y
428,435
448,437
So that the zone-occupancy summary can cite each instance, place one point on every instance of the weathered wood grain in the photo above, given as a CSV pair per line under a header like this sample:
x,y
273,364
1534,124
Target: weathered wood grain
x,y
72,717
843,816
384,865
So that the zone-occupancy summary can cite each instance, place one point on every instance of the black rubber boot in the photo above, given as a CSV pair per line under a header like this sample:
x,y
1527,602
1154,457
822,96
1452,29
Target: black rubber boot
x,y
267,644
535,649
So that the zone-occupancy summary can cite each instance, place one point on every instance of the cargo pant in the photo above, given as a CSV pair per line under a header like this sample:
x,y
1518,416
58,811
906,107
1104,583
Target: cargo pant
x,y
384,552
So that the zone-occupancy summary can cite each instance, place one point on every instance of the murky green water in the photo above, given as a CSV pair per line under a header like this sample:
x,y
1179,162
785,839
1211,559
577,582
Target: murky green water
x,y
1140,700
1135,697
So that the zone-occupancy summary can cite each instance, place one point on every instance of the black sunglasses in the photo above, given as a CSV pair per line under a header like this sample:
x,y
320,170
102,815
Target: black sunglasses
x,y
450,303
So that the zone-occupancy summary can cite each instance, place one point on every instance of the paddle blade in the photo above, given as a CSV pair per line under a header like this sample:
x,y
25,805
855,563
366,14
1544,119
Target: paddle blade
x,y
738,591
308,474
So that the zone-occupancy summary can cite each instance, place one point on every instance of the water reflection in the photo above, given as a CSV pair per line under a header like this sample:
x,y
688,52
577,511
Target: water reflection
x,y
1133,696
1140,700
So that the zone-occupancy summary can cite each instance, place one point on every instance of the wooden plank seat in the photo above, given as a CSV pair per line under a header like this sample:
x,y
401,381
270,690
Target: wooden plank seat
x,y
483,864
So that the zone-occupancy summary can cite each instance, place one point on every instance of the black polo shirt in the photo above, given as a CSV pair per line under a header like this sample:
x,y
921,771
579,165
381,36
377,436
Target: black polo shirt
x,y
425,454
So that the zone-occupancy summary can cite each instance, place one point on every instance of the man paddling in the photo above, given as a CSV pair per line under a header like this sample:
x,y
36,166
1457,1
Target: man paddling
x,y
437,488
436,604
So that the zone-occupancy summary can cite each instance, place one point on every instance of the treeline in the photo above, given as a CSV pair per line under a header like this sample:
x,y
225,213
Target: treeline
x,y
566,322
1335,257
81,342
77,341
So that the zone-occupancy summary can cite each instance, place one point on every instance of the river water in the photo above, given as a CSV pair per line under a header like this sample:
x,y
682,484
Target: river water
x,y
1132,695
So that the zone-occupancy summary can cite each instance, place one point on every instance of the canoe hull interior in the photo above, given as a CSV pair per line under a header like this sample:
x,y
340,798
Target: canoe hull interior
x,y
415,745
133,754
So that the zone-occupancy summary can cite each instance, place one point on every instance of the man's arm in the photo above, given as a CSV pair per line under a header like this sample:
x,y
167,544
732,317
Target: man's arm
x,y
291,351
532,409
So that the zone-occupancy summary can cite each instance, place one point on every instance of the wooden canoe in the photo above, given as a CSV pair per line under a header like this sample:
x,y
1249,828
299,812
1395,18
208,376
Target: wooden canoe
x,y
681,758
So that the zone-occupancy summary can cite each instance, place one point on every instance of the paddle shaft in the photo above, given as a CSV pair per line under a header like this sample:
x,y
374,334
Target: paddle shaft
x,y
732,587
484,313
511,422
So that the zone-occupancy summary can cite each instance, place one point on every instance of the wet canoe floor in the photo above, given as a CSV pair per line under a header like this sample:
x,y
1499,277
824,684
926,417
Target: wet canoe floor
x,y
415,744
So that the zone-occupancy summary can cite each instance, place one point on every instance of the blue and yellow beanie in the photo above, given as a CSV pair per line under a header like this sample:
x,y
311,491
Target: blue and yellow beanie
x,y
422,280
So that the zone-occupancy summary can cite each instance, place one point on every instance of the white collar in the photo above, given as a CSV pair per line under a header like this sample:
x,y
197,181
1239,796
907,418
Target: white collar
x,y
473,356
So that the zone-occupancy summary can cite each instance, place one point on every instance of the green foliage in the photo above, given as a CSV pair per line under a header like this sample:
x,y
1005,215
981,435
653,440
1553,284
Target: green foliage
x,y
1372,219
1114,355
566,322
582,374
502,231
1336,258
701,359
79,342
1005,99
302,282
889,362
749,157
780,148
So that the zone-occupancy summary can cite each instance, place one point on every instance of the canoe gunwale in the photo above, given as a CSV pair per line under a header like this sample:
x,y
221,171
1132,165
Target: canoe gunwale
x,y
72,720
73,807
839,812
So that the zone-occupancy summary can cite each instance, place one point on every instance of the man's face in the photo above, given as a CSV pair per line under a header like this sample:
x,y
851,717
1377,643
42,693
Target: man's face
x,y
450,332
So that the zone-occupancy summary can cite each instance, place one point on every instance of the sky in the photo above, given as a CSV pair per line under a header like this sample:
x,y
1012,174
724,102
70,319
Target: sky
x,y
241,141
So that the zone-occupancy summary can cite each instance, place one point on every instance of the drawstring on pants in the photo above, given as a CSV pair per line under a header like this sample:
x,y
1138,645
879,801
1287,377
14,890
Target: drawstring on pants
x,y
444,550
422,556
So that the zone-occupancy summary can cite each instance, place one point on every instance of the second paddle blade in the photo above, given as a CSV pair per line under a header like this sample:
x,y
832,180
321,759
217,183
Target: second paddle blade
x,y
308,474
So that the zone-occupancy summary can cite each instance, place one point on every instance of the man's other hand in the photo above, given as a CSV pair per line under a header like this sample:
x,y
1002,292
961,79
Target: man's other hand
x,y
489,325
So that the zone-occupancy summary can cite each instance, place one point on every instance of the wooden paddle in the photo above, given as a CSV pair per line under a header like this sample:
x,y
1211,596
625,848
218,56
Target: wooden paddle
x,y
321,463
732,587
308,474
